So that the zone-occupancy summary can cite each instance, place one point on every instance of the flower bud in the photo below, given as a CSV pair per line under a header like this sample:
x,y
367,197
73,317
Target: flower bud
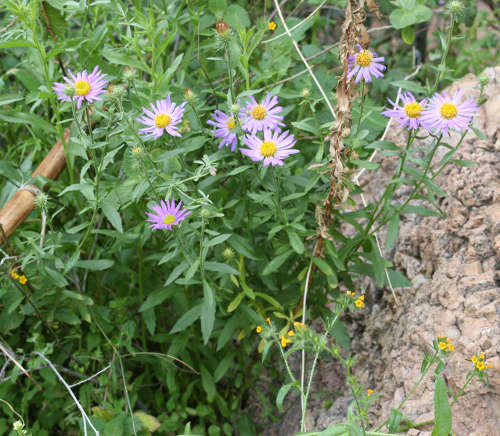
x,y
455,7
205,213
41,200
222,27
129,74
117,92
306,93
228,253
18,425
483,79
137,151
189,95
235,108
69,90
212,171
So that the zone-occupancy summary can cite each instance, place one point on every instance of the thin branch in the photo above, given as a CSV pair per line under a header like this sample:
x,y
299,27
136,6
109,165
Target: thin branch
x,y
304,60
61,379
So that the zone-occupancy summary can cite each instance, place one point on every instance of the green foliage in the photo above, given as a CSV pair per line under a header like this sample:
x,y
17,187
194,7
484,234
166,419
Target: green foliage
x,y
164,321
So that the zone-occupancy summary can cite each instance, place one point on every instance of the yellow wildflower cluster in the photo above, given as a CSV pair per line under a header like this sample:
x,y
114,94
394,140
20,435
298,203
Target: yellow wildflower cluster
x,y
445,344
480,363
360,302
22,278
350,294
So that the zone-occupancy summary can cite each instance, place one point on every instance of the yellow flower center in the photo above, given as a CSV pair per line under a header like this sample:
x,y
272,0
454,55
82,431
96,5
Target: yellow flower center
x,y
449,110
364,58
169,219
259,112
162,120
268,148
82,87
413,110
230,124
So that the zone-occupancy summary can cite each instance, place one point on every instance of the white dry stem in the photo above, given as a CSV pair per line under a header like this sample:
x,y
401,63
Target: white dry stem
x,y
6,257
274,38
304,60
91,377
82,411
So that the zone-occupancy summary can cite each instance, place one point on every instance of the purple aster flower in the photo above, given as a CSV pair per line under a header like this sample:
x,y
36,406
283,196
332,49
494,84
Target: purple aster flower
x,y
225,129
260,116
81,87
167,215
409,113
164,117
275,147
364,65
444,112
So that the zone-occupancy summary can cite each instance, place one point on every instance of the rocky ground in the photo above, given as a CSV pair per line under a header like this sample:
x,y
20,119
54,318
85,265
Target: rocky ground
x,y
454,265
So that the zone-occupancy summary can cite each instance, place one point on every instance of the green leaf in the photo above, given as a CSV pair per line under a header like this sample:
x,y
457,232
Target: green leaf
x,y
398,280
16,43
420,210
276,262
208,383
295,241
155,299
392,231
223,367
11,116
217,240
282,394
236,16
365,164
408,35
341,335
176,272
395,418
111,213
479,134
222,268
149,422
442,409
323,265
409,85
384,145
236,302
187,319
121,58
95,265
149,318
207,312
464,163
242,246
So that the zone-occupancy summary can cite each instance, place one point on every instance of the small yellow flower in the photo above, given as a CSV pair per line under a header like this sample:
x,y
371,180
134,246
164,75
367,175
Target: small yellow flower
x,y
359,303
13,274
258,329
299,325
23,279
369,392
481,355
474,359
440,337
268,320
489,366
350,293
291,333
480,366
285,341
271,25
442,345
451,347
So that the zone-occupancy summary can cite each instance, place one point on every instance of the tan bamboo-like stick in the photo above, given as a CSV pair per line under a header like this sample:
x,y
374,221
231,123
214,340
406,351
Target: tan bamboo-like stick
x,y
21,204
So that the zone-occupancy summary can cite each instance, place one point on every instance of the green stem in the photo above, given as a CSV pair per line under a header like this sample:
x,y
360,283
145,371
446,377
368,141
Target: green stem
x,y
413,389
290,373
279,210
361,108
461,391
419,424
141,293
445,55
228,61
202,265
306,394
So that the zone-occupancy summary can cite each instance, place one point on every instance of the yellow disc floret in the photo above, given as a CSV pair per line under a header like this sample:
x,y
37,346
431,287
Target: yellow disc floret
x,y
268,148
364,58
259,112
82,87
230,124
169,219
449,111
413,109
162,120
